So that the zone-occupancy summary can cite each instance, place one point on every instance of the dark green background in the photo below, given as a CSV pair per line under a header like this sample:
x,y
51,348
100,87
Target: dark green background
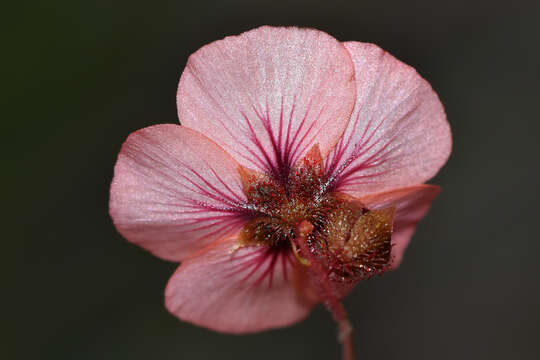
x,y
79,76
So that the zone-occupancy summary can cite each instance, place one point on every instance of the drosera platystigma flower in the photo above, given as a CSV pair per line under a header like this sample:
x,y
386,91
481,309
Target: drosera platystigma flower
x,y
296,172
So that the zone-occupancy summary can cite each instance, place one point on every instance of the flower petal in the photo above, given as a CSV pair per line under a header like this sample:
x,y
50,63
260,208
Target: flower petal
x,y
269,94
174,191
412,204
398,134
249,290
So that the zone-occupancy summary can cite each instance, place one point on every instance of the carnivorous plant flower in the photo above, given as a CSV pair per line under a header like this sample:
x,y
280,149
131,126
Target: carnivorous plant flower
x,y
297,170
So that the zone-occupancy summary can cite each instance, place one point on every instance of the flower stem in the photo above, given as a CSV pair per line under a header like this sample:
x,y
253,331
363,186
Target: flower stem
x,y
339,314
326,290
345,337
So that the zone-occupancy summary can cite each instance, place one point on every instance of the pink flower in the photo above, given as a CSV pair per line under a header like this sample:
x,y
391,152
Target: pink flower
x,y
291,142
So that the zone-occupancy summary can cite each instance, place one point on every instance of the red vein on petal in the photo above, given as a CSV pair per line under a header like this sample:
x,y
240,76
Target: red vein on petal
x,y
264,260
307,144
294,151
257,142
287,147
280,135
234,194
258,264
276,168
217,193
299,129
269,271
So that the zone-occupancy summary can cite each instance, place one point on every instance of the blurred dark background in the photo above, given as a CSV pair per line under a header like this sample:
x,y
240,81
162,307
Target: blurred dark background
x,y
80,76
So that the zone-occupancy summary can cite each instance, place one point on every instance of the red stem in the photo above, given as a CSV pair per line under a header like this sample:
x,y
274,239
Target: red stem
x,y
326,290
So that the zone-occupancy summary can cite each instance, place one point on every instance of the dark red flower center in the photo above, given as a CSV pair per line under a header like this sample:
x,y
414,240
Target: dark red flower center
x,y
348,240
